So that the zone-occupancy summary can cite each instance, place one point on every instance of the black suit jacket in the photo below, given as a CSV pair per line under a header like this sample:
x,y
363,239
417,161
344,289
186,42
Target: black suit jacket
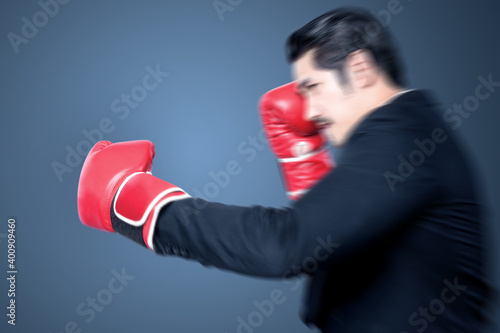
x,y
391,239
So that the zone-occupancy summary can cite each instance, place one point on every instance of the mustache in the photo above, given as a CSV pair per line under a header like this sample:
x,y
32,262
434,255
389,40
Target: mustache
x,y
322,122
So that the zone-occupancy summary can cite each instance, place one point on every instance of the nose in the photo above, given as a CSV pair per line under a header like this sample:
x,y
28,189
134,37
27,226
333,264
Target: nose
x,y
312,111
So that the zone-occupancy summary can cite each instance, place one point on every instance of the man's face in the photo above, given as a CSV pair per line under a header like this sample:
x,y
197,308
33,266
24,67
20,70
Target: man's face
x,y
333,106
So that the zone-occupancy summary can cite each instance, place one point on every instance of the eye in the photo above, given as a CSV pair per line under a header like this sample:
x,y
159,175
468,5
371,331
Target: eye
x,y
312,86
307,88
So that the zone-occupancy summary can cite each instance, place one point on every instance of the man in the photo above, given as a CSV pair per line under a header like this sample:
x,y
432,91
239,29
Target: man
x,y
391,235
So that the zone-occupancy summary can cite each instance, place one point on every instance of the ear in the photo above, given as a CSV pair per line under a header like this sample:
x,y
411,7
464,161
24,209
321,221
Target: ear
x,y
361,69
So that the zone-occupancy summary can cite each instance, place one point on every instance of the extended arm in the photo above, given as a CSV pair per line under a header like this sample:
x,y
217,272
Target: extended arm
x,y
350,208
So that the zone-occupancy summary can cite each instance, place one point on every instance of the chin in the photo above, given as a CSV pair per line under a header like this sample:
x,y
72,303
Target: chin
x,y
332,138
336,141
337,144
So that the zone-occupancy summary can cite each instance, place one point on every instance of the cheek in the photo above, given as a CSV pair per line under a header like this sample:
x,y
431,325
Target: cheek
x,y
332,107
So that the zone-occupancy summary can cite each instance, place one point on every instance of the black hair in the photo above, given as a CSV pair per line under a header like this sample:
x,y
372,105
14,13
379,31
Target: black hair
x,y
337,33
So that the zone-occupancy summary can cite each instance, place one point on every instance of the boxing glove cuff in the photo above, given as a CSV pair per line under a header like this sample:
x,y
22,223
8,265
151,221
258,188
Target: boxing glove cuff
x,y
137,203
303,172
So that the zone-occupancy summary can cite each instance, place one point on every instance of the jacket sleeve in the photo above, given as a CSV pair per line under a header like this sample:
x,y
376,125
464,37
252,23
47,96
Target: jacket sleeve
x,y
369,194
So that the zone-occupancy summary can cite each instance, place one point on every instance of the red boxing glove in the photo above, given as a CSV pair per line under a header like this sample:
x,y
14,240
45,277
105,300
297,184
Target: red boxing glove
x,y
301,150
117,192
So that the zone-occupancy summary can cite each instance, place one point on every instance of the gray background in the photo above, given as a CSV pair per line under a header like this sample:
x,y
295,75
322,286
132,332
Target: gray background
x,y
64,80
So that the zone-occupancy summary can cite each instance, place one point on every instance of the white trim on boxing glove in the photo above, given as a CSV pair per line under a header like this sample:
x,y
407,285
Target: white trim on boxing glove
x,y
294,193
303,157
150,206
150,232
